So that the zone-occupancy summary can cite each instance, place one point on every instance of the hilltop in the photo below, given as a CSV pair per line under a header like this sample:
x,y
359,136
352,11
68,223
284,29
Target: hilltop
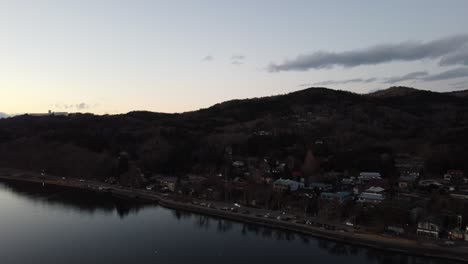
x,y
356,130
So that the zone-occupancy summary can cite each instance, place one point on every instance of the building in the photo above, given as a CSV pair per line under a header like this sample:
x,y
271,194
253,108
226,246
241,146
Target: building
x,y
428,228
375,189
285,184
238,164
169,183
367,176
367,197
453,174
321,186
466,234
395,230
196,179
58,113
463,195
430,183
339,197
49,113
407,164
406,183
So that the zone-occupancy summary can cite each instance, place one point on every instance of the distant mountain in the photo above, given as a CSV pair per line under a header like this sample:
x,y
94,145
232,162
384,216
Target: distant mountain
x,y
463,93
3,115
395,92
356,130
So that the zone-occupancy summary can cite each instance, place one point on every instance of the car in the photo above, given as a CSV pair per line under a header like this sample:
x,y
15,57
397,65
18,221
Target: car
x,y
81,180
348,223
63,178
237,205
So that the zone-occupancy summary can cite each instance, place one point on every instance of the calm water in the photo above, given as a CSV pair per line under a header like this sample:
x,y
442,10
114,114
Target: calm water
x,y
58,225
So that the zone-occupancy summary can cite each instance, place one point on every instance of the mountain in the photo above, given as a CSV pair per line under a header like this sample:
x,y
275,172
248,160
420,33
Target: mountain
x,y
396,91
356,130
463,93
3,115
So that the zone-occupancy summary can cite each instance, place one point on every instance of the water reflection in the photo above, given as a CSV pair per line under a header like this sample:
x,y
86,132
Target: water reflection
x,y
158,228
69,198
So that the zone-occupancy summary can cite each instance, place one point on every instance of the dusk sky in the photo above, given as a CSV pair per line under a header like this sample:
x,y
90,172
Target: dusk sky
x,y
116,56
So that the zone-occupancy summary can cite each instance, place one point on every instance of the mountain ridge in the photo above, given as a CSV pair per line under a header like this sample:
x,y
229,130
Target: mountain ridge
x,y
356,129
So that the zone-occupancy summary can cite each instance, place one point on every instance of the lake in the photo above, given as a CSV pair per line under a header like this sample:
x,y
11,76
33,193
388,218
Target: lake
x,y
61,225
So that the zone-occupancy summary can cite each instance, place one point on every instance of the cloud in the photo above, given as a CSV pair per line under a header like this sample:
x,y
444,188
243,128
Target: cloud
x,y
407,77
418,76
237,59
79,107
447,75
237,62
208,58
459,57
82,106
332,82
383,53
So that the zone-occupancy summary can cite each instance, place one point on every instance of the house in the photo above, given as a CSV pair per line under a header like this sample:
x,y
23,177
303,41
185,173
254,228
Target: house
x,y
196,179
456,234
428,228
285,184
375,189
395,230
366,176
407,164
321,186
296,174
430,183
339,197
407,182
349,181
367,197
238,164
169,183
453,174
463,195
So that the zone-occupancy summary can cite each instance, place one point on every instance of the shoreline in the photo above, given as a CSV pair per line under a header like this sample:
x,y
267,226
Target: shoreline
x,y
374,241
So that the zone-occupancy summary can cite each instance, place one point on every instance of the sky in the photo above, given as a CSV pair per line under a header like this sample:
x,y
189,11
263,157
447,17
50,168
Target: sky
x,y
109,57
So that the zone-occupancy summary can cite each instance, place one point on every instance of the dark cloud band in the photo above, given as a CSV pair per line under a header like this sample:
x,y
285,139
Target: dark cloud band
x,y
405,51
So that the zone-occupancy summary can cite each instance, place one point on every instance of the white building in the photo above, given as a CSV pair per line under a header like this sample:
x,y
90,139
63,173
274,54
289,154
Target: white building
x,y
283,185
428,229
370,176
367,197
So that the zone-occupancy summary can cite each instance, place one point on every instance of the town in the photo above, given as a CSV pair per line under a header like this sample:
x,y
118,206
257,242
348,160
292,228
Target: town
x,y
400,201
